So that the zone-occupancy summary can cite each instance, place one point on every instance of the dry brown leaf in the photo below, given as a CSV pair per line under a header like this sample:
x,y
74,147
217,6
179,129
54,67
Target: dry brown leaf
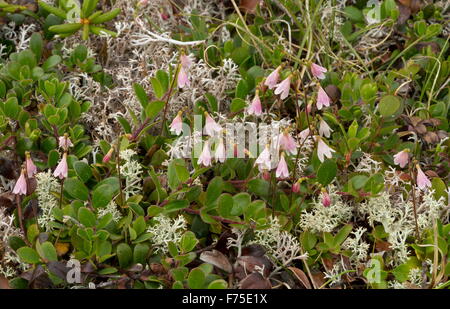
x,y
404,14
254,250
327,263
4,284
413,5
62,248
255,281
251,262
319,278
217,259
431,174
381,246
301,276
249,6
333,93
8,169
7,201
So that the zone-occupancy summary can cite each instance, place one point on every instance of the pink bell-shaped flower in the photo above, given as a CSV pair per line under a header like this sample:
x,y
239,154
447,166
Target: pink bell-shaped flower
x,y
282,169
64,142
272,80
287,142
303,135
205,156
255,107
183,77
326,200
402,158
211,127
176,127
324,129
283,88
31,168
21,184
263,160
318,71
296,187
323,150
322,99
422,180
61,170
220,154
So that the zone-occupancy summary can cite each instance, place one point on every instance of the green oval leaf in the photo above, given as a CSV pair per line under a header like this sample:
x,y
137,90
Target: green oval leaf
x,y
326,172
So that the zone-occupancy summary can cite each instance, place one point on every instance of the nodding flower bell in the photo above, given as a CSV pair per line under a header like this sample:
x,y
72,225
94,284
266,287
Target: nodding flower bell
x,y
108,155
318,71
21,184
183,78
324,129
64,142
422,180
255,107
205,156
176,127
296,186
323,150
282,169
322,99
326,200
211,127
220,154
287,142
402,158
303,135
283,88
61,170
31,168
272,80
263,160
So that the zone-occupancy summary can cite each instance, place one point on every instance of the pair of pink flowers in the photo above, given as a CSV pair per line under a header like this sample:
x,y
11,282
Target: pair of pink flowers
x,y
29,171
205,158
264,164
61,171
183,77
281,88
402,159
322,97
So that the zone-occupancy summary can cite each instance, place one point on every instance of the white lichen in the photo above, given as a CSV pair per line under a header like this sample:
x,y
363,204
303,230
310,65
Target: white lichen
x,y
165,230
